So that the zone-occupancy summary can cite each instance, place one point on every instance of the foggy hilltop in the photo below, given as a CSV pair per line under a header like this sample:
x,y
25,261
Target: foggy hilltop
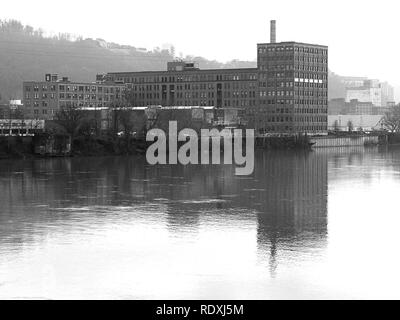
x,y
27,54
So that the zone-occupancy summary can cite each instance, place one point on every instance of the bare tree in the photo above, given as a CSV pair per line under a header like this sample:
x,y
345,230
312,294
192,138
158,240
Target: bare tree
x,y
350,126
125,121
391,121
336,126
71,119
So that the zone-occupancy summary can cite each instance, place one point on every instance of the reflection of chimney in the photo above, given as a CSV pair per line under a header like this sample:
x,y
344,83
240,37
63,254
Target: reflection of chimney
x,y
273,31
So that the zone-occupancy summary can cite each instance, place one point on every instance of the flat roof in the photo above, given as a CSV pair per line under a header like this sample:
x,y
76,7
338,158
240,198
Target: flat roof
x,y
154,107
77,83
362,88
293,42
353,78
187,71
178,107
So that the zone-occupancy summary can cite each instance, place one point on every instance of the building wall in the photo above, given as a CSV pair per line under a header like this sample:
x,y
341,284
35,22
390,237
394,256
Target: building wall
x,y
353,82
365,94
380,94
42,99
293,88
219,88
20,126
354,107
387,93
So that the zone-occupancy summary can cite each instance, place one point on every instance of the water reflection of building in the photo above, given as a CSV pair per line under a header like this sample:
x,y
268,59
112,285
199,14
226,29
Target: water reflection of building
x,y
287,195
285,199
293,207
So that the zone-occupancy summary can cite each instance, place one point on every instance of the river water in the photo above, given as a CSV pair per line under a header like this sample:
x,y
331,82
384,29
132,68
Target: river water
x,y
322,224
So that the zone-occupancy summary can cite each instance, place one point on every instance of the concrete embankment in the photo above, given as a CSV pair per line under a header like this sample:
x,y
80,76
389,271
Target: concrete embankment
x,y
350,141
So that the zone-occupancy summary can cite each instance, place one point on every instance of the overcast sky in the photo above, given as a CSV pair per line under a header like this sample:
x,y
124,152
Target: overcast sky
x,y
362,35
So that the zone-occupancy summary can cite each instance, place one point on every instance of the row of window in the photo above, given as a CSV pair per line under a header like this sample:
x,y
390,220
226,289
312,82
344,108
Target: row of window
x,y
301,119
75,88
184,78
278,110
99,89
75,96
290,93
188,86
239,103
310,68
271,76
100,97
36,112
44,88
313,60
284,129
291,101
179,102
241,94
309,83
279,49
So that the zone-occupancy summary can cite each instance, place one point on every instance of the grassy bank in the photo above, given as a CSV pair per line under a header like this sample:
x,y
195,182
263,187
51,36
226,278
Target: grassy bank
x,y
24,147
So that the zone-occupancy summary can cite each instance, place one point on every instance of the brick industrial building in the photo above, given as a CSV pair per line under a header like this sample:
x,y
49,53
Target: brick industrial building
x,y
286,93
42,99
186,85
293,87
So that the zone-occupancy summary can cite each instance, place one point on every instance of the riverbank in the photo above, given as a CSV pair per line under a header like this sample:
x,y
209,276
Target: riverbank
x,y
42,146
62,146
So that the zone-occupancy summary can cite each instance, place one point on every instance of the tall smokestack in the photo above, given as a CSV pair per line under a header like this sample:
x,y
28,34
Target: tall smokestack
x,y
273,31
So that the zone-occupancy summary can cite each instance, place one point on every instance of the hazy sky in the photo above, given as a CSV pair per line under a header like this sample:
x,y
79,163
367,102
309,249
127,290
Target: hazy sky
x,y
362,35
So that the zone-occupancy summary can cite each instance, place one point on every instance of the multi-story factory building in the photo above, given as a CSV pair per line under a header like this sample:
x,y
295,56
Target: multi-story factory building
x,y
184,84
286,94
293,87
42,99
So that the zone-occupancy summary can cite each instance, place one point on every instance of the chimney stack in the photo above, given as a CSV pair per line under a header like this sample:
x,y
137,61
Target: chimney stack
x,y
273,31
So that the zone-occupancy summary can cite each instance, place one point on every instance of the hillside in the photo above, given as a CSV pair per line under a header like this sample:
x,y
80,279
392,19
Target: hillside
x,y
26,54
